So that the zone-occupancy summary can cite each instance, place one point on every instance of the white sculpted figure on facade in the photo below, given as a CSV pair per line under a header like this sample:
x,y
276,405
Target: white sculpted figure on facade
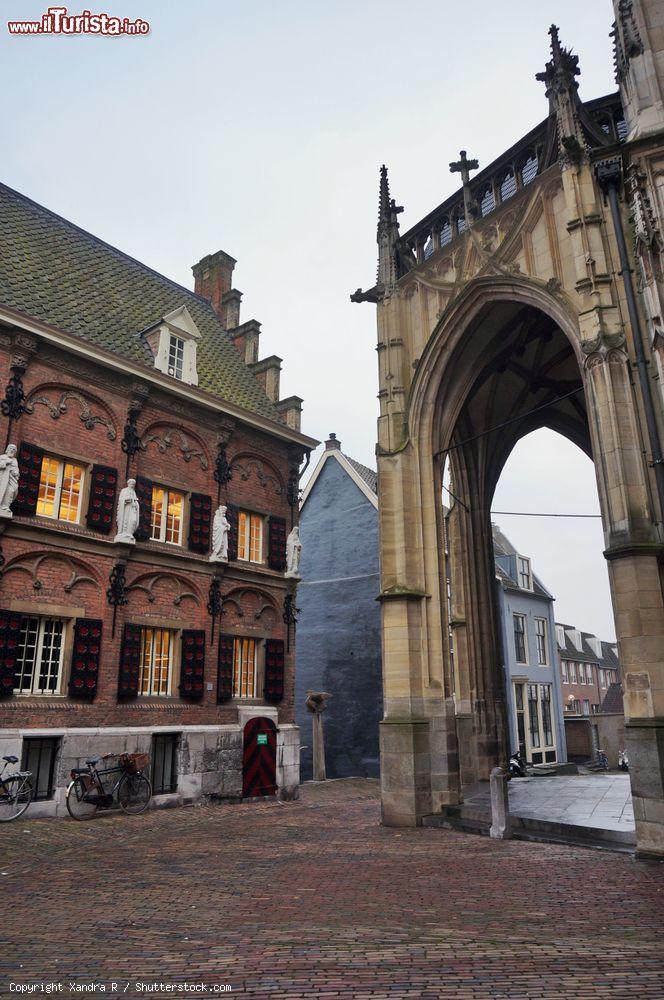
x,y
128,514
8,480
293,552
220,528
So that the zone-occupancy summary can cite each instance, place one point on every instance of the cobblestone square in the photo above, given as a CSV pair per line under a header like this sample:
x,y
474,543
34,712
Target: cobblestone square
x,y
316,899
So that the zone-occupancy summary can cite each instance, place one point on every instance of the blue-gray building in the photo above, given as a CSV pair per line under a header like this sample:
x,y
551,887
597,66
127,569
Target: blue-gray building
x,y
338,633
530,657
339,637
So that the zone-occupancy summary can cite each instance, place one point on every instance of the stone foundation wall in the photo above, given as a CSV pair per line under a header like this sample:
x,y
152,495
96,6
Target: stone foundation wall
x,y
208,761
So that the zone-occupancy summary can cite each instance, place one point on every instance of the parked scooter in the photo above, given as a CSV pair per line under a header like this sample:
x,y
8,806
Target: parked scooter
x,y
517,765
623,761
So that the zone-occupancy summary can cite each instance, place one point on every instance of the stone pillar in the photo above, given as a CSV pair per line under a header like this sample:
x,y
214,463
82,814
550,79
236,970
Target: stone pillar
x,y
318,743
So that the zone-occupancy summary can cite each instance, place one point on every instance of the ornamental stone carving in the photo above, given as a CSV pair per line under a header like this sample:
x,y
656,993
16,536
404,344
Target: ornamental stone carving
x,y
9,475
57,409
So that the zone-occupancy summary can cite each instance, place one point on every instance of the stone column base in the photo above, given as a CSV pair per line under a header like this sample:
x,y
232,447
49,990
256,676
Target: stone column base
x,y
645,749
405,771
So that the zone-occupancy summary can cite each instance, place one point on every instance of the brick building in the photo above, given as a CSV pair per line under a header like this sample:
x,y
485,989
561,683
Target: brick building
x,y
588,667
113,372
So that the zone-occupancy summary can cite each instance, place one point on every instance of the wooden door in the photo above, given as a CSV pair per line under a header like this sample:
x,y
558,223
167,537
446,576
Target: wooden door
x,y
259,759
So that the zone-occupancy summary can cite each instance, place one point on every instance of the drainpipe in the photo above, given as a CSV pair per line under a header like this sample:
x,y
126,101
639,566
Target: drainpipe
x,y
609,178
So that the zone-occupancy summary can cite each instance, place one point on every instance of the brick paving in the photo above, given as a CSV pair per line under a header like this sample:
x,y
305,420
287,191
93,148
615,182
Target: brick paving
x,y
316,899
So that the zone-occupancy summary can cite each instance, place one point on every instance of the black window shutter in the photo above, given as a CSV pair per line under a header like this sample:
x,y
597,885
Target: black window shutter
x,y
232,514
10,634
200,518
130,660
192,664
144,494
274,670
101,505
225,668
85,659
277,544
29,464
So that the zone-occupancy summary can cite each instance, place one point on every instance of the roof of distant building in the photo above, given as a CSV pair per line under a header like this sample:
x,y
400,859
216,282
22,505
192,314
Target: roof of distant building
x,y
60,275
609,658
368,475
364,478
503,546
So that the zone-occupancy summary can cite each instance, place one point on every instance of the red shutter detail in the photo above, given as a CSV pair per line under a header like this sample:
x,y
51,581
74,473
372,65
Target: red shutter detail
x,y
277,544
274,670
144,494
101,505
225,668
29,463
10,634
192,664
232,513
200,522
85,659
130,661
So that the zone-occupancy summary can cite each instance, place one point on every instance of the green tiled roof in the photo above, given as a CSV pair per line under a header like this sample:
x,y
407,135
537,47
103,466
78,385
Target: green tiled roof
x,y
57,273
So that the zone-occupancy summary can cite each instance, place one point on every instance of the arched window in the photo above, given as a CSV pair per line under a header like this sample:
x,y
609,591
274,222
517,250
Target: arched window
x,y
621,129
529,169
428,247
487,202
445,232
460,221
508,185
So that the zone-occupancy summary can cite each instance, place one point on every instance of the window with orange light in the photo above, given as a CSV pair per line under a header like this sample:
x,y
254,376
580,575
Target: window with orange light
x,y
60,488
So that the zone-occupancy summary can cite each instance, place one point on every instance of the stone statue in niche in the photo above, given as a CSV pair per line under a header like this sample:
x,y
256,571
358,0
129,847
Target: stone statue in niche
x,y
8,480
128,514
293,553
220,528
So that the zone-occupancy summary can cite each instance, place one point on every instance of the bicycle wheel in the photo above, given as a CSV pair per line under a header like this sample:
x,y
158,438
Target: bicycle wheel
x,y
134,793
77,805
15,797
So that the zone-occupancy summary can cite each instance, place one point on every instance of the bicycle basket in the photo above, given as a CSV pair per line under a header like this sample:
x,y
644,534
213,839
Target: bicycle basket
x,y
132,763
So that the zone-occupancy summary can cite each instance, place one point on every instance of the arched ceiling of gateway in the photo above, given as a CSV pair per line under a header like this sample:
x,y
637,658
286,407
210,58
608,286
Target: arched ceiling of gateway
x,y
523,360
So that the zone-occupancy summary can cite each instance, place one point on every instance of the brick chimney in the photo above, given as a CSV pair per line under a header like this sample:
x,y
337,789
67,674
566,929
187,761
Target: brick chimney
x,y
213,279
332,444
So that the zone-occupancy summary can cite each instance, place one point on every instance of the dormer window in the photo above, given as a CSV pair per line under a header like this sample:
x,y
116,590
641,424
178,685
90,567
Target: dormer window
x,y
525,575
175,356
173,341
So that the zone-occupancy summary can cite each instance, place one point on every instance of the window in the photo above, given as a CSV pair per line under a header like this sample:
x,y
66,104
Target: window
x,y
244,668
508,186
164,777
39,656
250,537
520,638
520,717
540,632
586,707
445,232
175,356
487,202
525,576
60,487
39,757
572,672
602,678
594,709
529,169
545,701
167,508
533,719
565,672
589,673
156,661
575,707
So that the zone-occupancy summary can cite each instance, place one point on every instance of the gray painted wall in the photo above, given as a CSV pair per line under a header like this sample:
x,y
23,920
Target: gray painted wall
x,y
338,633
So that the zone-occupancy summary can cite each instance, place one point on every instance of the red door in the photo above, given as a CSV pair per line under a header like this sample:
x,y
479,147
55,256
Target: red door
x,y
259,759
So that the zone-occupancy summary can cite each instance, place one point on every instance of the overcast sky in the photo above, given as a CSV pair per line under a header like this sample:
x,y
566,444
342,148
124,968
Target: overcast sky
x,y
259,128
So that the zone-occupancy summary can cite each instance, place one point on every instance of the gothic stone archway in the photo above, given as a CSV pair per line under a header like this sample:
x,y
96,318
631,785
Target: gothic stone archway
x,y
505,297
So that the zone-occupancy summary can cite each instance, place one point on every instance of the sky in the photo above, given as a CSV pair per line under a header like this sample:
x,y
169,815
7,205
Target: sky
x,y
259,128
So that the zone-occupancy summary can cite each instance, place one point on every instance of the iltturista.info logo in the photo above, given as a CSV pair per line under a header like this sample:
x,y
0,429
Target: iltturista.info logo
x,y
58,21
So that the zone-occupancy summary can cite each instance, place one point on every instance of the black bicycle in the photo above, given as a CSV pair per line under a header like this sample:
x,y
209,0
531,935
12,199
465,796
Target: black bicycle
x,y
16,791
91,788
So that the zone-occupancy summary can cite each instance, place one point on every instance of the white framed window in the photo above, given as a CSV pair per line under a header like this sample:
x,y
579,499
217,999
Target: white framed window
x,y
586,706
175,356
60,489
541,635
602,678
589,673
40,655
244,668
250,536
572,672
156,662
167,515
525,575
520,645
563,667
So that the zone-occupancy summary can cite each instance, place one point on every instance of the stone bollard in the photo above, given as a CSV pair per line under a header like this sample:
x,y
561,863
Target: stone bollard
x,y
501,828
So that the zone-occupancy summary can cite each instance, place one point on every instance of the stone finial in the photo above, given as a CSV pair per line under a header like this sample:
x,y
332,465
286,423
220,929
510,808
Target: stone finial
x,y
332,444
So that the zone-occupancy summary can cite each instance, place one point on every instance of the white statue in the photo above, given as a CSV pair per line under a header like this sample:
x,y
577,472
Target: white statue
x,y
220,528
293,552
128,514
8,480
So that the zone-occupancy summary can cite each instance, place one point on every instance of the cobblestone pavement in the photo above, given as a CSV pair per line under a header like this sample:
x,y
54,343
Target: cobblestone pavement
x,y
316,899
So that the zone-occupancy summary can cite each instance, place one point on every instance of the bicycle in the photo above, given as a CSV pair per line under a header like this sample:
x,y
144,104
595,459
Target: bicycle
x,y
132,790
16,792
